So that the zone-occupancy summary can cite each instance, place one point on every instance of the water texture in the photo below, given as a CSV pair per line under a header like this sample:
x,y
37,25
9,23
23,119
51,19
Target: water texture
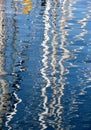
x,y
45,65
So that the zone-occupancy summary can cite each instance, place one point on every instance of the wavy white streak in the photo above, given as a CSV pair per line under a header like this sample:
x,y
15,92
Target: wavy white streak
x,y
83,23
55,105
87,73
53,63
45,66
67,12
65,55
10,115
70,9
65,52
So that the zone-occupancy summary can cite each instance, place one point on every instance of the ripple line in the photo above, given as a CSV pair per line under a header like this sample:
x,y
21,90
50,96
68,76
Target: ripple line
x,y
66,7
45,66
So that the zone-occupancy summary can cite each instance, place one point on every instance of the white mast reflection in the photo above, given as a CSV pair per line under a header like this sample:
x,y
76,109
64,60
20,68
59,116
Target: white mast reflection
x,y
53,64
66,7
54,87
56,102
55,92
45,65
67,13
59,91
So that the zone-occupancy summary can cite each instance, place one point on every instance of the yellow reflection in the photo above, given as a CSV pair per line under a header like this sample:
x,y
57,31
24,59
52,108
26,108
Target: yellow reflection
x,y
27,6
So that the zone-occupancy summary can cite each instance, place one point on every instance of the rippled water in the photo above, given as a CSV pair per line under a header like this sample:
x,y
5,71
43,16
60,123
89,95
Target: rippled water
x,y
45,68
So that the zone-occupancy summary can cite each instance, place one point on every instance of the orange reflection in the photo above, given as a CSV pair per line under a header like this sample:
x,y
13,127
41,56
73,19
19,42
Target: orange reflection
x,y
27,6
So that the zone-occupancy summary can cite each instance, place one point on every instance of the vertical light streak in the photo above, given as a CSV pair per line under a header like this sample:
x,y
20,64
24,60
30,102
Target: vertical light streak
x,y
53,57
2,37
10,114
45,65
3,83
66,8
54,43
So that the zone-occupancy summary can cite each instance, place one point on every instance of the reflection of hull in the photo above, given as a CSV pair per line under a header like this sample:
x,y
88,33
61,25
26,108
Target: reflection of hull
x,y
8,101
3,98
3,84
11,99
1,39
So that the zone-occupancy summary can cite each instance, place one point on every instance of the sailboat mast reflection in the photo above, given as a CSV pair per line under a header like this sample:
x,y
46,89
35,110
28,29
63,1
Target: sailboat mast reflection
x,y
3,83
54,62
18,56
65,54
45,65
55,108
16,100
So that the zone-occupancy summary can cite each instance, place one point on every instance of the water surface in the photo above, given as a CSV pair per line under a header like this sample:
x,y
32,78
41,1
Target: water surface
x,y
45,68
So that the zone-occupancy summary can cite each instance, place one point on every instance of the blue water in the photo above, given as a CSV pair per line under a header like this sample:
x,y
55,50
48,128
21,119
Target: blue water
x,y
45,68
